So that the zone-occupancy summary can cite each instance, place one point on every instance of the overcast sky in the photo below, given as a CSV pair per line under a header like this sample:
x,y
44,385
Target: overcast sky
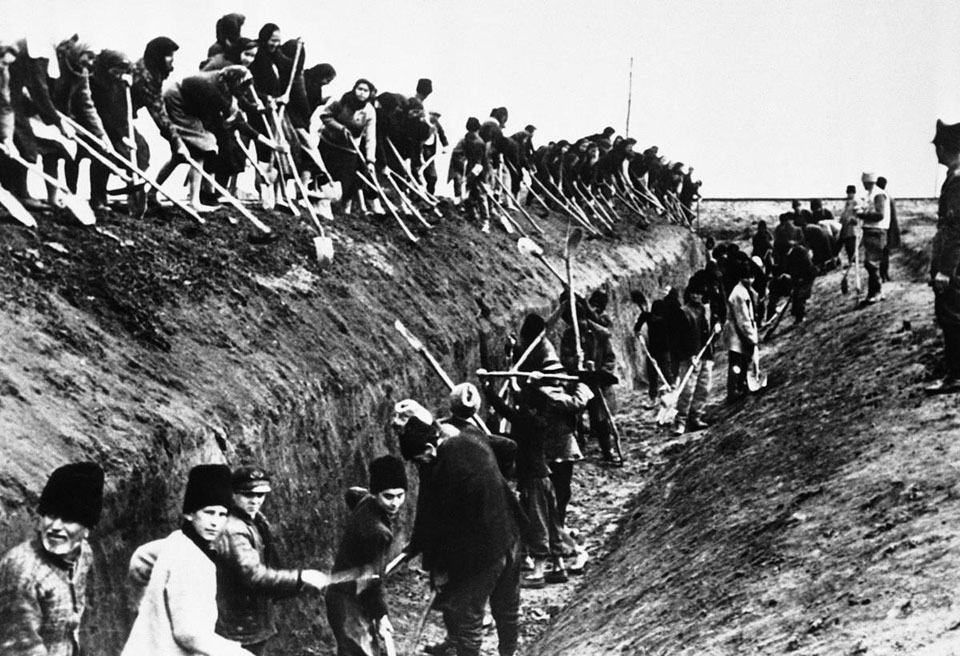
x,y
769,99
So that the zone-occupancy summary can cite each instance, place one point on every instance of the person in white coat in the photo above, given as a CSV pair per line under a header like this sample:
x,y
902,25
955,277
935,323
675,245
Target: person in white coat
x,y
178,611
741,333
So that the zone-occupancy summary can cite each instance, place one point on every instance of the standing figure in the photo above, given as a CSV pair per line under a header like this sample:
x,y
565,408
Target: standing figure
x,y
43,581
468,529
893,232
357,610
876,222
249,572
741,333
178,611
945,258
350,124
848,223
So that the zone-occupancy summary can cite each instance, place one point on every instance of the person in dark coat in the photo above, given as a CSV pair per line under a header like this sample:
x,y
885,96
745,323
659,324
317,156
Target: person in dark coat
x,y
71,96
43,581
820,242
762,241
786,232
204,109
250,575
347,121
541,539
30,96
800,271
945,258
357,610
149,74
468,529
658,345
108,83
228,30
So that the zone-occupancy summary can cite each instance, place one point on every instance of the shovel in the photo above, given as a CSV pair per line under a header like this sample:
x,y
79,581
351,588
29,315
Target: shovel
x,y
247,214
573,242
528,247
756,379
417,345
668,411
80,209
130,165
16,209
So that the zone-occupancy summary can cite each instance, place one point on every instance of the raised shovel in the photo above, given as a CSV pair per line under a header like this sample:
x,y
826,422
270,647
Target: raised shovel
x,y
418,346
528,247
79,208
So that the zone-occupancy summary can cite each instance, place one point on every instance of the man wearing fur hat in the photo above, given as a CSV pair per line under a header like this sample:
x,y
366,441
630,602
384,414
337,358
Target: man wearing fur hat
x,y
468,529
357,610
178,612
249,572
945,257
876,222
43,580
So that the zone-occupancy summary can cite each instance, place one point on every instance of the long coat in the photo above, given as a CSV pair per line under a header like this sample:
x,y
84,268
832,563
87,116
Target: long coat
x,y
41,601
178,611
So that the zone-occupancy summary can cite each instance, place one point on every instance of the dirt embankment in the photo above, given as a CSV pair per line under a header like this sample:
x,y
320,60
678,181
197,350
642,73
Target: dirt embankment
x,y
155,346
817,518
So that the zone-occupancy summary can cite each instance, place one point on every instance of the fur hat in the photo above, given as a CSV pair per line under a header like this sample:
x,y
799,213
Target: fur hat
x,y
424,86
947,136
207,485
74,493
851,189
530,128
464,400
387,473
415,437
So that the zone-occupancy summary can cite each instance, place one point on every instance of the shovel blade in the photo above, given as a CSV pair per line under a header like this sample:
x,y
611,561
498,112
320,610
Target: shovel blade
x,y
16,209
80,209
324,249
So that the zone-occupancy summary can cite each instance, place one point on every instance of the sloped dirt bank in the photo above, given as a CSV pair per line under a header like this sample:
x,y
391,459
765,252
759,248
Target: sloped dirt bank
x,y
818,518
154,346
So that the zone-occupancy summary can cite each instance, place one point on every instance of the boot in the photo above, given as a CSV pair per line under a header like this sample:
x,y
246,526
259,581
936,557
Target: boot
x,y
377,207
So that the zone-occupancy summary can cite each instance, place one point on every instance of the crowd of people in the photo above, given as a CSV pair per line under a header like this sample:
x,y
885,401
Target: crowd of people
x,y
494,486
254,105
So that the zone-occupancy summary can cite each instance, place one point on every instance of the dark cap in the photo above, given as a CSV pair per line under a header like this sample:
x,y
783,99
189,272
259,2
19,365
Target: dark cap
x,y
424,86
250,478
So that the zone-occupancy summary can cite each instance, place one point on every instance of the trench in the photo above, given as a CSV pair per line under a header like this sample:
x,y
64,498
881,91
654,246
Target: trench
x,y
300,374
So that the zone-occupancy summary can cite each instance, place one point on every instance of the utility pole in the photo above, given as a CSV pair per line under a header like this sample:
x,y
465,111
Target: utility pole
x,y
626,132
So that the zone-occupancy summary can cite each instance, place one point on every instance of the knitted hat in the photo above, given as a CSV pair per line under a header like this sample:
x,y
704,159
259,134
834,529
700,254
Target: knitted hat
x,y
387,473
947,136
424,86
250,478
409,409
415,437
74,493
207,485
464,400
868,176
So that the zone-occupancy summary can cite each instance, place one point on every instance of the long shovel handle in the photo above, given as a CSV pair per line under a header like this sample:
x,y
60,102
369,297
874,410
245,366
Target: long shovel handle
x,y
613,424
129,163
404,201
247,214
523,358
653,361
390,207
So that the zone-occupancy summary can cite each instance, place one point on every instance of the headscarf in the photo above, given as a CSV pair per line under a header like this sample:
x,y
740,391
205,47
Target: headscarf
x,y
156,51
235,78
228,28
266,32
349,99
